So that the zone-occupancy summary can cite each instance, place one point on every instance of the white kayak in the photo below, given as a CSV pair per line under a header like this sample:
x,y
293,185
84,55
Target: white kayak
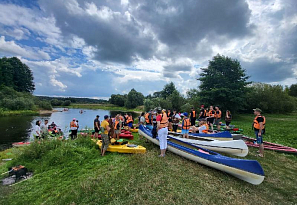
x,y
234,147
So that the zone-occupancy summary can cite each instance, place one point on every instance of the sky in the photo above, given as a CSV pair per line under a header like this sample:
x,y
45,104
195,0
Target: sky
x,y
95,48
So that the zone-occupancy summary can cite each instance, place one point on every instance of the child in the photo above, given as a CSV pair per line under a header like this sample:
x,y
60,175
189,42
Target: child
x,y
186,126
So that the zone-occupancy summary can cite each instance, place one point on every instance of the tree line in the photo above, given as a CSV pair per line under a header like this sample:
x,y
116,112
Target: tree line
x,y
223,83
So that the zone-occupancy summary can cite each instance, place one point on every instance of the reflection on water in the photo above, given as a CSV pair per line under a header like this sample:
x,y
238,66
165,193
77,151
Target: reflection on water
x,y
18,128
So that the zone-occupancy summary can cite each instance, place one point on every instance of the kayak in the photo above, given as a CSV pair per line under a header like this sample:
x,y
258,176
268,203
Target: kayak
x,y
247,170
234,147
134,130
237,136
126,148
20,144
270,146
224,136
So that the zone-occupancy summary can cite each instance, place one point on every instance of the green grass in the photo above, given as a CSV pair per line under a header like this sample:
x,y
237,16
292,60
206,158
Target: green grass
x,y
105,107
17,112
74,173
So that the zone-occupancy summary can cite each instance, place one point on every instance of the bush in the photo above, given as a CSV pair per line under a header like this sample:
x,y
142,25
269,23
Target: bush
x,y
66,103
186,108
45,105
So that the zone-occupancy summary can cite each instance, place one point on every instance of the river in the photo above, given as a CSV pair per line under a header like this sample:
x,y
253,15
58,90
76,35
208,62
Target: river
x,y
19,128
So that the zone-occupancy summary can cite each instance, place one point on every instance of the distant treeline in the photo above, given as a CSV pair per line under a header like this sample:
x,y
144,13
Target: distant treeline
x,y
66,101
223,83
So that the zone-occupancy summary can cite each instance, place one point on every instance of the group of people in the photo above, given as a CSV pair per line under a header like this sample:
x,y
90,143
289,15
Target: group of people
x,y
42,131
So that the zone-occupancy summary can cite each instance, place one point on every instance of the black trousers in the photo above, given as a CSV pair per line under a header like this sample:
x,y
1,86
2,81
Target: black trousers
x,y
174,128
193,121
73,134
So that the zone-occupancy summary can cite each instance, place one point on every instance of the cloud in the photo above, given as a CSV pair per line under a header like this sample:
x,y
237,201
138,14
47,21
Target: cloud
x,y
10,48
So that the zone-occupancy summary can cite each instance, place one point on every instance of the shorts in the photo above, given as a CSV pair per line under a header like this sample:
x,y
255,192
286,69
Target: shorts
x,y
96,130
210,120
169,120
259,138
130,124
185,131
217,121
228,123
117,132
105,141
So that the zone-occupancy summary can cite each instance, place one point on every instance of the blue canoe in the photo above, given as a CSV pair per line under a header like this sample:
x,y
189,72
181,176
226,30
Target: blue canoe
x,y
247,170
216,136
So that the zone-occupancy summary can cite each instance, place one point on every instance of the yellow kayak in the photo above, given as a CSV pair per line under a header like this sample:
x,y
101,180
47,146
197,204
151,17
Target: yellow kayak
x,y
126,148
134,130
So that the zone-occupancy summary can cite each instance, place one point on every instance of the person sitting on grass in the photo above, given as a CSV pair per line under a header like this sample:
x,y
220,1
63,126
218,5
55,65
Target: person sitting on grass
x,y
186,124
104,135
259,128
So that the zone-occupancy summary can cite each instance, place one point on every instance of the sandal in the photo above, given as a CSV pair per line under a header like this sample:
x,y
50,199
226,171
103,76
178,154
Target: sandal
x,y
259,155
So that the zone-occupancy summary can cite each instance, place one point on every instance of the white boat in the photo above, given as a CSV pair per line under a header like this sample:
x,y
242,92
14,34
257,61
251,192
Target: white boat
x,y
247,170
234,147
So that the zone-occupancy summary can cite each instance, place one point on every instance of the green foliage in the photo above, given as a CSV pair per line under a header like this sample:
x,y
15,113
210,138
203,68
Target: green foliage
x,y
293,90
168,90
223,83
176,100
118,100
15,74
149,104
66,103
186,108
134,99
193,98
56,102
270,98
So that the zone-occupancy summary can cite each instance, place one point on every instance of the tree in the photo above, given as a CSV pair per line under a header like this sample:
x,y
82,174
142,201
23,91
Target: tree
x,y
168,90
66,103
293,90
134,99
118,100
223,83
176,100
193,98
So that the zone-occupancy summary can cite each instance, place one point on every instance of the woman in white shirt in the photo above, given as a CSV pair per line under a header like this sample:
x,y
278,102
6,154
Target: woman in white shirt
x,y
37,130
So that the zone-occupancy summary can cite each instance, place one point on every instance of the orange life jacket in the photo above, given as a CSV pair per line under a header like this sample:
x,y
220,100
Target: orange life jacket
x,y
147,120
211,113
72,124
206,113
117,125
194,114
218,115
186,124
129,119
207,128
164,121
257,124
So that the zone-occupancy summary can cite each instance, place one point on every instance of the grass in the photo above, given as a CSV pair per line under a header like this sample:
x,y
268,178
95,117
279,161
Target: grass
x,y
106,107
74,173
17,112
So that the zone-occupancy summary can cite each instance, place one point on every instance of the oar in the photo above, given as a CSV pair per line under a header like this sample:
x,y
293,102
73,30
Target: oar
x,y
20,182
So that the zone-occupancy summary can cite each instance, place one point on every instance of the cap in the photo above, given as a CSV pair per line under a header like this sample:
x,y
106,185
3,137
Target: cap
x,y
202,105
257,109
73,119
186,114
105,117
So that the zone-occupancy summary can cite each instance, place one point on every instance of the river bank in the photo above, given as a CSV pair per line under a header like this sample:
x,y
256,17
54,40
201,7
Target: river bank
x,y
4,113
105,107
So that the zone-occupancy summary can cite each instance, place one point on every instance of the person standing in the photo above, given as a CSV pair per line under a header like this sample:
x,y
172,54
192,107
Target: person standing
x,y
130,121
162,127
44,129
202,114
73,128
175,120
96,126
259,128
218,116
169,115
186,124
37,130
117,127
193,117
111,126
154,127
228,118
104,135
211,117
142,119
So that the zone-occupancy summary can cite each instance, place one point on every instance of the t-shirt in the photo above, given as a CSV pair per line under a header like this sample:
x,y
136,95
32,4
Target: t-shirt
x,y
203,113
104,125
159,118
202,128
96,120
37,129
260,119
142,119
44,128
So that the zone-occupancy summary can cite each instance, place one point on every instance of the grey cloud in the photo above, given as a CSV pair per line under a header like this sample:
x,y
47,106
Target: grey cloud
x,y
175,68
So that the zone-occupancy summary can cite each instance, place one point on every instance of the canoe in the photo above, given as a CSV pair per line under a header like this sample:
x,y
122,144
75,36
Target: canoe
x,y
270,146
234,147
224,136
20,144
126,148
237,136
247,170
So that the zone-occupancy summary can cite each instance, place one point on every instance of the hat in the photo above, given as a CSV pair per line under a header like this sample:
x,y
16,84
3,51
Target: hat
x,y
202,105
257,110
73,119
105,117
185,114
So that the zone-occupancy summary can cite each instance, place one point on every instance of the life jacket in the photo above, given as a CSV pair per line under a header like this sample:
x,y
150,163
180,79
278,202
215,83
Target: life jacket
x,y
72,124
164,121
186,124
168,114
175,119
206,113
207,128
218,115
257,124
129,119
147,120
117,125
193,115
211,113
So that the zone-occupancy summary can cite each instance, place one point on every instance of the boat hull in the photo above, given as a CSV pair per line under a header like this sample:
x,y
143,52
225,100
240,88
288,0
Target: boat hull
x,y
124,148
